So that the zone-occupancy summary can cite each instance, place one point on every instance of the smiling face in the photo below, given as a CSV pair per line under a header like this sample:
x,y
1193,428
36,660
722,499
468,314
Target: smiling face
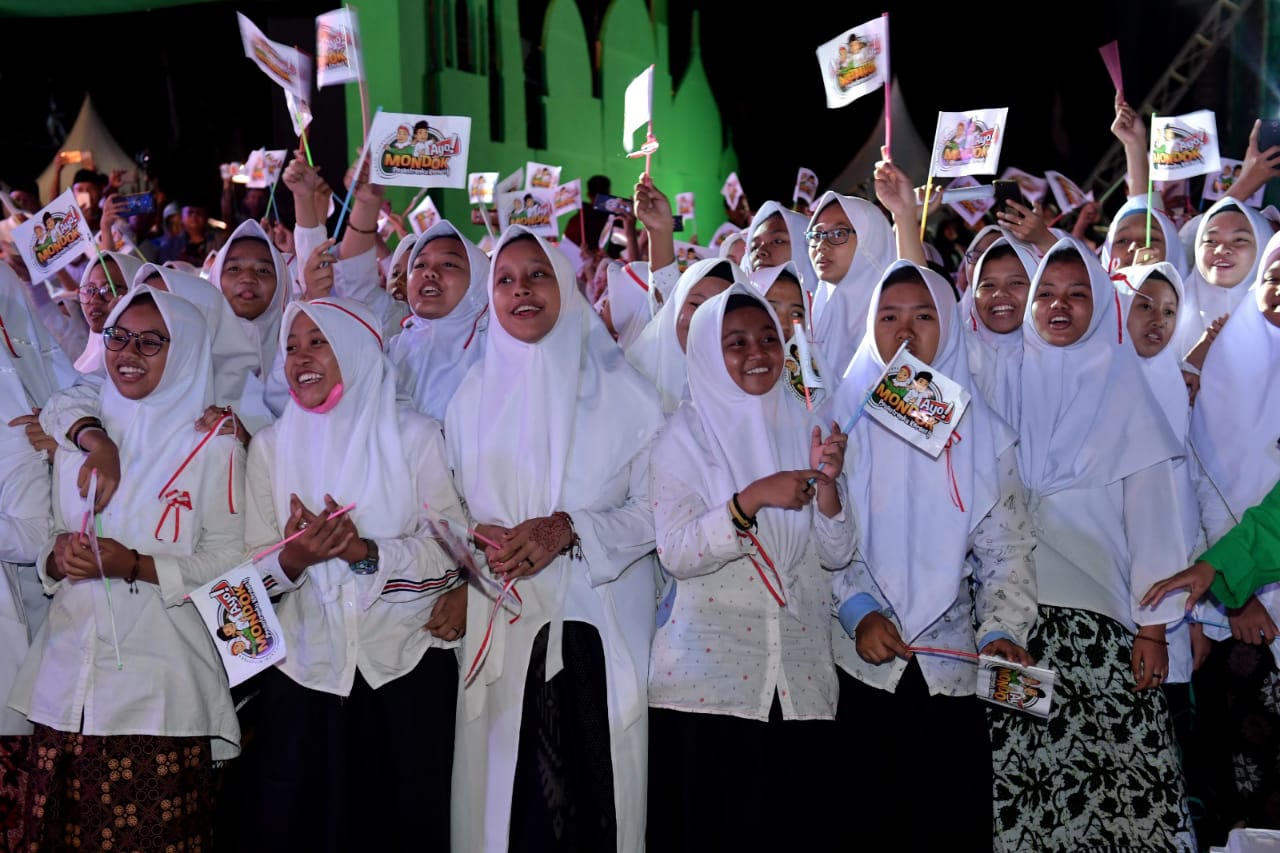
x,y
770,243
310,364
752,350
398,280
1063,302
907,313
698,294
1131,235
1227,249
526,295
1000,295
248,278
440,277
136,375
1269,294
1152,317
95,306
788,303
832,262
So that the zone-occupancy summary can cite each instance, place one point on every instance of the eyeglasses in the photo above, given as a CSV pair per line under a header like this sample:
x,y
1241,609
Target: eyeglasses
x,y
834,237
972,257
146,343
88,292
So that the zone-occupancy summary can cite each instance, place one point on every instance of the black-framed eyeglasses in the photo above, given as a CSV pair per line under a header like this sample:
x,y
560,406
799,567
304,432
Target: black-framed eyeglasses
x,y
834,237
88,292
146,343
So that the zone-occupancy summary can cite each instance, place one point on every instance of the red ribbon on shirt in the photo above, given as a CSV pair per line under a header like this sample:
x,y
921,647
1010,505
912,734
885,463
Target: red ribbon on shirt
x,y
775,590
8,343
176,501
956,500
508,590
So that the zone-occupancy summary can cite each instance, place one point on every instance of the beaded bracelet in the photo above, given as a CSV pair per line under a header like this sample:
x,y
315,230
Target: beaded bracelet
x,y
574,548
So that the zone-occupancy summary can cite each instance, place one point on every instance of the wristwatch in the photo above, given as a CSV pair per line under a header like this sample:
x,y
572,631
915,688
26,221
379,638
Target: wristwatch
x,y
369,565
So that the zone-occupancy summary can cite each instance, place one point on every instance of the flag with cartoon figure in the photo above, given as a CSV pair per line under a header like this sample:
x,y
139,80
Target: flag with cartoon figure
x,y
971,210
569,196
688,253
685,205
806,185
424,215
289,67
968,143
1023,688
532,208
337,48
1217,186
415,150
722,233
238,613
917,403
540,176
854,63
1184,146
480,187
1065,192
299,112
264,167
732,191
54,237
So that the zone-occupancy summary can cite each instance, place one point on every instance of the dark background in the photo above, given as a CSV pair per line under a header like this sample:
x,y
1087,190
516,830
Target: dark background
x,y
175,81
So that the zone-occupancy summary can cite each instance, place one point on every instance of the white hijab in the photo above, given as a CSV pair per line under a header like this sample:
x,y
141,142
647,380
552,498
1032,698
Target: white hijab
x,y
1234,421
1175,254
1088,417
996,359
234,355
538,427
762,281
402,250
627,288
432,356
1162,370
656,352
916,513
354,451
156,434
90,361
263,330
35,358
797,225
840,308
726,439
1205,302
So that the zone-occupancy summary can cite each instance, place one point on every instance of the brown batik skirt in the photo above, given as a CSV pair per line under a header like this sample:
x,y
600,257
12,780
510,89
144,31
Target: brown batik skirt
x,y
117,793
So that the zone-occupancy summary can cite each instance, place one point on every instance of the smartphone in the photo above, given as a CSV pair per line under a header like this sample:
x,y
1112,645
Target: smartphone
x,y
1268,133
677,223
1005,192
136,204
612,204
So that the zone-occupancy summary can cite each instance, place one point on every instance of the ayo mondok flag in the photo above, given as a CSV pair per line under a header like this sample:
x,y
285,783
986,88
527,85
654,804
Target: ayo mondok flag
x,y
852,63
237,612
1023,688
569,196
917,403
54,237
532,208
424,215
1065,192
541,176
414,150
264,167
480,187
337,48
968,143
289,67
1184,146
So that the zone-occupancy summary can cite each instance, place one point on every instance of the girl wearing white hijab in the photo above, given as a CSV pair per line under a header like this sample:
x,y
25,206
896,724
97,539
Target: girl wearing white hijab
x,y
627,301
1096,455
658,352
25,524
39,363
253,276
930,528
102,285
991,311
123,674
850,244
740,675
777,235
1228,247
445,334
734,248
548,439
1128,234
356,591
780,286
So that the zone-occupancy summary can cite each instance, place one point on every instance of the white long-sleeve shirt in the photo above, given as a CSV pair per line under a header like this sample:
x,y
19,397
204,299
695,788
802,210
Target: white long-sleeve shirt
x,y
723,644
336,621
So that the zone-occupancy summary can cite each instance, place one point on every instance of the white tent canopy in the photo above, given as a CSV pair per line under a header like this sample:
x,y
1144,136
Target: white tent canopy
x,y
88,134
910,153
